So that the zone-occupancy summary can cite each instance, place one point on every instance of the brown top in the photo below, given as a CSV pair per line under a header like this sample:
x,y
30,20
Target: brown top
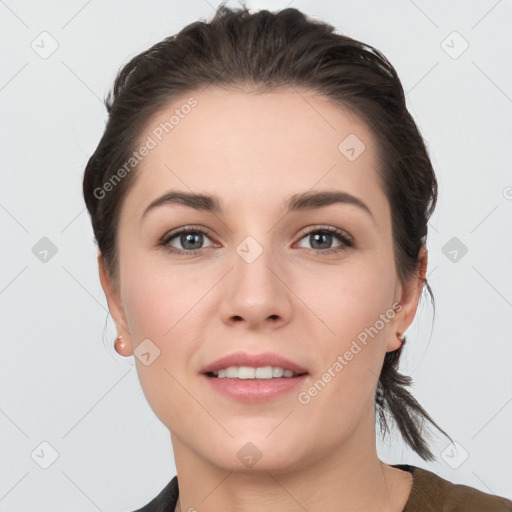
x,y
429,493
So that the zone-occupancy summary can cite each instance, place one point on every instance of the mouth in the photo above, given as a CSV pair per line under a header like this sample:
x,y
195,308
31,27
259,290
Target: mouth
x,y
260,377
244,365
254,373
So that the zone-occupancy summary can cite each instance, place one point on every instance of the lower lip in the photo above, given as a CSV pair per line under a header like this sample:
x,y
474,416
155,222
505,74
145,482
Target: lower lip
x,y
255,390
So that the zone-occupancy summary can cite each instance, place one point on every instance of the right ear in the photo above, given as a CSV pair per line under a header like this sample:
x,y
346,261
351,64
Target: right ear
x,y
115,306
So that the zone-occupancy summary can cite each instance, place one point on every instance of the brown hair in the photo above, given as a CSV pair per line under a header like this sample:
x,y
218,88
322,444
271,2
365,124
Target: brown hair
x,y
262,51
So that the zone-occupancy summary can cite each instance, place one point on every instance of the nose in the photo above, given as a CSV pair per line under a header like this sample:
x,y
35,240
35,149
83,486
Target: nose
x,y
255,291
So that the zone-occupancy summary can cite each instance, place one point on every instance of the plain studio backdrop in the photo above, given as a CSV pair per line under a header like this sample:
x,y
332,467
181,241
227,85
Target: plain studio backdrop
x,y
76,431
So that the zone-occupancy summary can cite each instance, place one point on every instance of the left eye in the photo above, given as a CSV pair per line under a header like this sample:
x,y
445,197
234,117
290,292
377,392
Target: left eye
x,y
324,236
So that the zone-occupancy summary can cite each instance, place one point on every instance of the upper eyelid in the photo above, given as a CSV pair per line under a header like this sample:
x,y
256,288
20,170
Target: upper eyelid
x,y
332,229
185,229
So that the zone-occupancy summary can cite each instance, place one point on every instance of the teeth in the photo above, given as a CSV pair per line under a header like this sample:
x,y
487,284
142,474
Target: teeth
x,y
248,372
244,372
264,372
232,372
277,372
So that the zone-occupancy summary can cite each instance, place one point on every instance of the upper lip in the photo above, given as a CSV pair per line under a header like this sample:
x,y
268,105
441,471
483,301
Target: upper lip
x,y
254,360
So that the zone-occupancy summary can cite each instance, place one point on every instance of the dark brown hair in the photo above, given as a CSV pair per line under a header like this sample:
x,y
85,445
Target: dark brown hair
x,y
260,52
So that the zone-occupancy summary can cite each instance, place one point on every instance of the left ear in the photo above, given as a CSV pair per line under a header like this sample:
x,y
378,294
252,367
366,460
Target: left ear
x,y
409,295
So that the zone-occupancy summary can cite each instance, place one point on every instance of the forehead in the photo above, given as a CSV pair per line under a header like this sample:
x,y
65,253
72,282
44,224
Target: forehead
x,y
250,148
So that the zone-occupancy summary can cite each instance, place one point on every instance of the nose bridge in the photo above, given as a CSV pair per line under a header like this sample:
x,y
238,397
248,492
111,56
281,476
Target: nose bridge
x,y
255,289
252,266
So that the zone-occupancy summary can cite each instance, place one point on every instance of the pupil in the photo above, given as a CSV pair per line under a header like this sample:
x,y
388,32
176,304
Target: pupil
x,y
185,239
316,236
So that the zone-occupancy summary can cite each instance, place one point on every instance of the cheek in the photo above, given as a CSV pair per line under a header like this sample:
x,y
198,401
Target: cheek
x,y
352,327
156,299
349,300
162,307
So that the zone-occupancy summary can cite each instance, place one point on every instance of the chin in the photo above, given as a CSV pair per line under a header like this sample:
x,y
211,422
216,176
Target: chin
x,y
248,454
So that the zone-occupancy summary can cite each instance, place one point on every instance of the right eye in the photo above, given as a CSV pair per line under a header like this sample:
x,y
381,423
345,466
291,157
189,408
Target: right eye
x,y
191,239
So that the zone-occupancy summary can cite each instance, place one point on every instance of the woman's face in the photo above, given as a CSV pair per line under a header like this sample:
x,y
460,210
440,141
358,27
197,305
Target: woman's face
x,y
263,273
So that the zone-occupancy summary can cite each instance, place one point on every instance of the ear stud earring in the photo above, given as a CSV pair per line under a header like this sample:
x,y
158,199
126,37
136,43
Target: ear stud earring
x,y
119,345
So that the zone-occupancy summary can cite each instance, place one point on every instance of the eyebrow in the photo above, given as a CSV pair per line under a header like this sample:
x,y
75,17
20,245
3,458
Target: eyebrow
x,y
298,202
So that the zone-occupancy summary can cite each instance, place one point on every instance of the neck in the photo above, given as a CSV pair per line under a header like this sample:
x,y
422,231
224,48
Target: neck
x,y
350,477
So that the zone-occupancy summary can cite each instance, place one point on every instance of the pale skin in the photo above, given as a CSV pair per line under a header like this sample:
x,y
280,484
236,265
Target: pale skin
x,y
253,152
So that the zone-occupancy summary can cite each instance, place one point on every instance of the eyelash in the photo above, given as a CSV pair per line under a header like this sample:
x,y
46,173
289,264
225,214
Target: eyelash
x,y
347,241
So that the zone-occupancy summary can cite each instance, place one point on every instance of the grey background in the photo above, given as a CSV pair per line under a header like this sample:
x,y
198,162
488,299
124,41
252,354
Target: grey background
x,y
61,382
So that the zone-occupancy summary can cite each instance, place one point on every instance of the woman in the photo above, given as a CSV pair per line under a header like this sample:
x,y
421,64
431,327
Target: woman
x,y
260,200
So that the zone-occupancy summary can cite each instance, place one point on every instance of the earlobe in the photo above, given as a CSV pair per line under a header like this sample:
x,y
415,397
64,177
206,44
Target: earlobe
x,y
395,343
123,341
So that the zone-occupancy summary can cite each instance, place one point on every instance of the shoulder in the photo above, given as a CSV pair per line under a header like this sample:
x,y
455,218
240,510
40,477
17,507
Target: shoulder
x,y
165,501
431,493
